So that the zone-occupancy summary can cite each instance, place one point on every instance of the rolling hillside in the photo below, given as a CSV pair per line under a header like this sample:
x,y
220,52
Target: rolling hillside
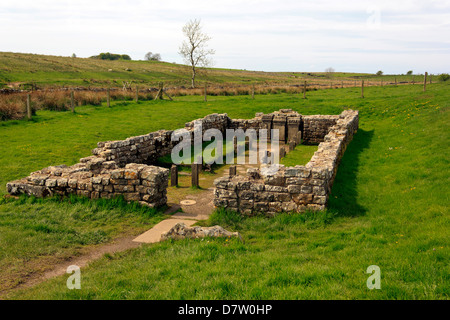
x,y
18,69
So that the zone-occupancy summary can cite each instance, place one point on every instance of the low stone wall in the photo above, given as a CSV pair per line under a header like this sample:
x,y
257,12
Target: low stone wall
x,y
298,188
142,183
316,127
125,167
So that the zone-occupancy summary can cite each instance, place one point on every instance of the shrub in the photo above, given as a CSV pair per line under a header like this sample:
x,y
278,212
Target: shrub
x,y
444,77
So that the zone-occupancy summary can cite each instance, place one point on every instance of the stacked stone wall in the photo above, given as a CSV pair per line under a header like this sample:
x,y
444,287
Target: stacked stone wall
x,y
142,183
126,168
290,189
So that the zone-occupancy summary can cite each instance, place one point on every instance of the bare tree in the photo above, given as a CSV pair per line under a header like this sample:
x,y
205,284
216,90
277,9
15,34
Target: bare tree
x,y
329,71
194,50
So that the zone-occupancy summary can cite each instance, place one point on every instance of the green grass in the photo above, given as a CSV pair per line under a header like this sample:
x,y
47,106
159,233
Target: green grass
x,y
388,207
36,233
56,71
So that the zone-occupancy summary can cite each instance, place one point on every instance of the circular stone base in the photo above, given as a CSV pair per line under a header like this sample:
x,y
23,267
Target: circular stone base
x,y
188,202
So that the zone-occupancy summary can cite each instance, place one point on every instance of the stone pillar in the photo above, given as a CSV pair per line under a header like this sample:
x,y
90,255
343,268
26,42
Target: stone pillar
x,y
267,123
282,152
293,127
291,145
174,176
298,138
195,175
232,171
279,123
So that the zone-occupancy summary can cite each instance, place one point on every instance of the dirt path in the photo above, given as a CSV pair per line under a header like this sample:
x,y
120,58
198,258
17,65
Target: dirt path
x,y
200,208
190,214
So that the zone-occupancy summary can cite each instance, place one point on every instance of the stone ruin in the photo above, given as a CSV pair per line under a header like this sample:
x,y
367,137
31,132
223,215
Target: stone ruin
x,y
127,167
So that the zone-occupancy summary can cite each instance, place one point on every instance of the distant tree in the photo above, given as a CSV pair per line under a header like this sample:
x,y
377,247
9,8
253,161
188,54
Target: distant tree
x,y
152,57
112,56
329,71
380,73
409,73
444,77
194,51
74,55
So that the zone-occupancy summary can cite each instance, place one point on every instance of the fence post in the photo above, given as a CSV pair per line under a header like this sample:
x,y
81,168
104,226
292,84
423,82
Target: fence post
x,y
137,94
174,176
29,106
413,80
72,102
233,171
206,92
362,89
395,81
425,82
253,91
108,98
304,90
431,76
342,84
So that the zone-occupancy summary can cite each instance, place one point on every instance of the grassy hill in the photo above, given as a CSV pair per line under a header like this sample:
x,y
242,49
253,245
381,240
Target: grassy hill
x,y
19,69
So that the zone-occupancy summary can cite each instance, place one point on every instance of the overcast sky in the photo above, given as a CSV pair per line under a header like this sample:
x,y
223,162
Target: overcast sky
x,y
356,36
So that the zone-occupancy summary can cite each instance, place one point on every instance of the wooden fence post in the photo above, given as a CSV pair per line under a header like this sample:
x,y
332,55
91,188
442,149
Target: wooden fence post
x,y
431,76
174,176
413,80
425,82
253,91
29,114
137,94
395,81
206,92
304,90
108,97
362,89
342,84
72,102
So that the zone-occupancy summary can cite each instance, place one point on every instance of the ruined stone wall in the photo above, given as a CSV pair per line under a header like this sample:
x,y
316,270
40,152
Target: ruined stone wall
x,y
316,127
116,168
99,179
298,188
124,167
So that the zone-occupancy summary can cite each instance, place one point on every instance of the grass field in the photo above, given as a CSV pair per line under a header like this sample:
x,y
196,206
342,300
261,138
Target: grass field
x,y
55,71
389,207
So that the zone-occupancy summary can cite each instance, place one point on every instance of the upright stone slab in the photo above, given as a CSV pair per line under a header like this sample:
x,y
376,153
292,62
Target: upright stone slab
x,y
174,176
282,152
293,127
279,123
298,138
195,175
267,123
